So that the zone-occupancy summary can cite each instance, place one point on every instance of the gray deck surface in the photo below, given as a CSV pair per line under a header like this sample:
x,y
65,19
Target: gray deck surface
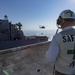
x,y
28,61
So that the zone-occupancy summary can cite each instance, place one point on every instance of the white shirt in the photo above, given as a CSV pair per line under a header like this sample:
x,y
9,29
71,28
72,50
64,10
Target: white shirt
x,y
53,50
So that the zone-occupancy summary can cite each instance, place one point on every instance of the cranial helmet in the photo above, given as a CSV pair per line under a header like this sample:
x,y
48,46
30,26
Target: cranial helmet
x,y
66,14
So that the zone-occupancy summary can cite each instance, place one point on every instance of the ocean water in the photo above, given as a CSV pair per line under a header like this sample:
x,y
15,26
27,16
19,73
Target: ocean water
x,y
48,33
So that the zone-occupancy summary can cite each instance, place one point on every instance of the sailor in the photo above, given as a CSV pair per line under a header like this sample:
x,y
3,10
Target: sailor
x,y
62,47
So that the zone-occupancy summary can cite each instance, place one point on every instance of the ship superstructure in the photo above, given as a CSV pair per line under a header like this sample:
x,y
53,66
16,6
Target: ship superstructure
x,y
9,31
11,35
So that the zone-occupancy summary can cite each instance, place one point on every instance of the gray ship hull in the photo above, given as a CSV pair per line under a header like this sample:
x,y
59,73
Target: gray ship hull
x,y
17,43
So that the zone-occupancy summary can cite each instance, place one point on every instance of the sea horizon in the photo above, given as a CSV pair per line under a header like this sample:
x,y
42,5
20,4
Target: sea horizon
x,y
48,33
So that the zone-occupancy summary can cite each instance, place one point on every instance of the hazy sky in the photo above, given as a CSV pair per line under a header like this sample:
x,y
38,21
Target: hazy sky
x,y
32,13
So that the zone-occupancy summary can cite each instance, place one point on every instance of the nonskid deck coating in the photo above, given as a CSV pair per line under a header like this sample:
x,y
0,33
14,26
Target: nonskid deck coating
x,y
29,61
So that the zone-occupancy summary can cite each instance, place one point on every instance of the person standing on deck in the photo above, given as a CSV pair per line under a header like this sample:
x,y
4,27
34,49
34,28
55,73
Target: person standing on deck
x,y
62,48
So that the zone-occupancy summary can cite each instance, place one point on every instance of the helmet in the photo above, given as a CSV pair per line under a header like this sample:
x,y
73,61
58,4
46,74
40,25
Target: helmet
x,y
66,14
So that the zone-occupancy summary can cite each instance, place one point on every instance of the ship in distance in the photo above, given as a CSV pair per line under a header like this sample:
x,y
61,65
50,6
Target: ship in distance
x,y
11,35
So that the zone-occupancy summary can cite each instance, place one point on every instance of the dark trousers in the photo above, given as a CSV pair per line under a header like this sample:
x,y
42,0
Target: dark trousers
x,y
58,73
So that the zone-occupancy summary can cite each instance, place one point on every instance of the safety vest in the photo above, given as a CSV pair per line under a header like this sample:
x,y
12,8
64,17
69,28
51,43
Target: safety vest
x,y
65,62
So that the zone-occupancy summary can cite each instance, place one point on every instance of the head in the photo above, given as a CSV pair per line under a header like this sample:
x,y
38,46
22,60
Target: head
x,y
66,18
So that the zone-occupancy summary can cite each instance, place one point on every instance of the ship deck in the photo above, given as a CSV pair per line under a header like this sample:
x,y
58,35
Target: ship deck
x,y
26,60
